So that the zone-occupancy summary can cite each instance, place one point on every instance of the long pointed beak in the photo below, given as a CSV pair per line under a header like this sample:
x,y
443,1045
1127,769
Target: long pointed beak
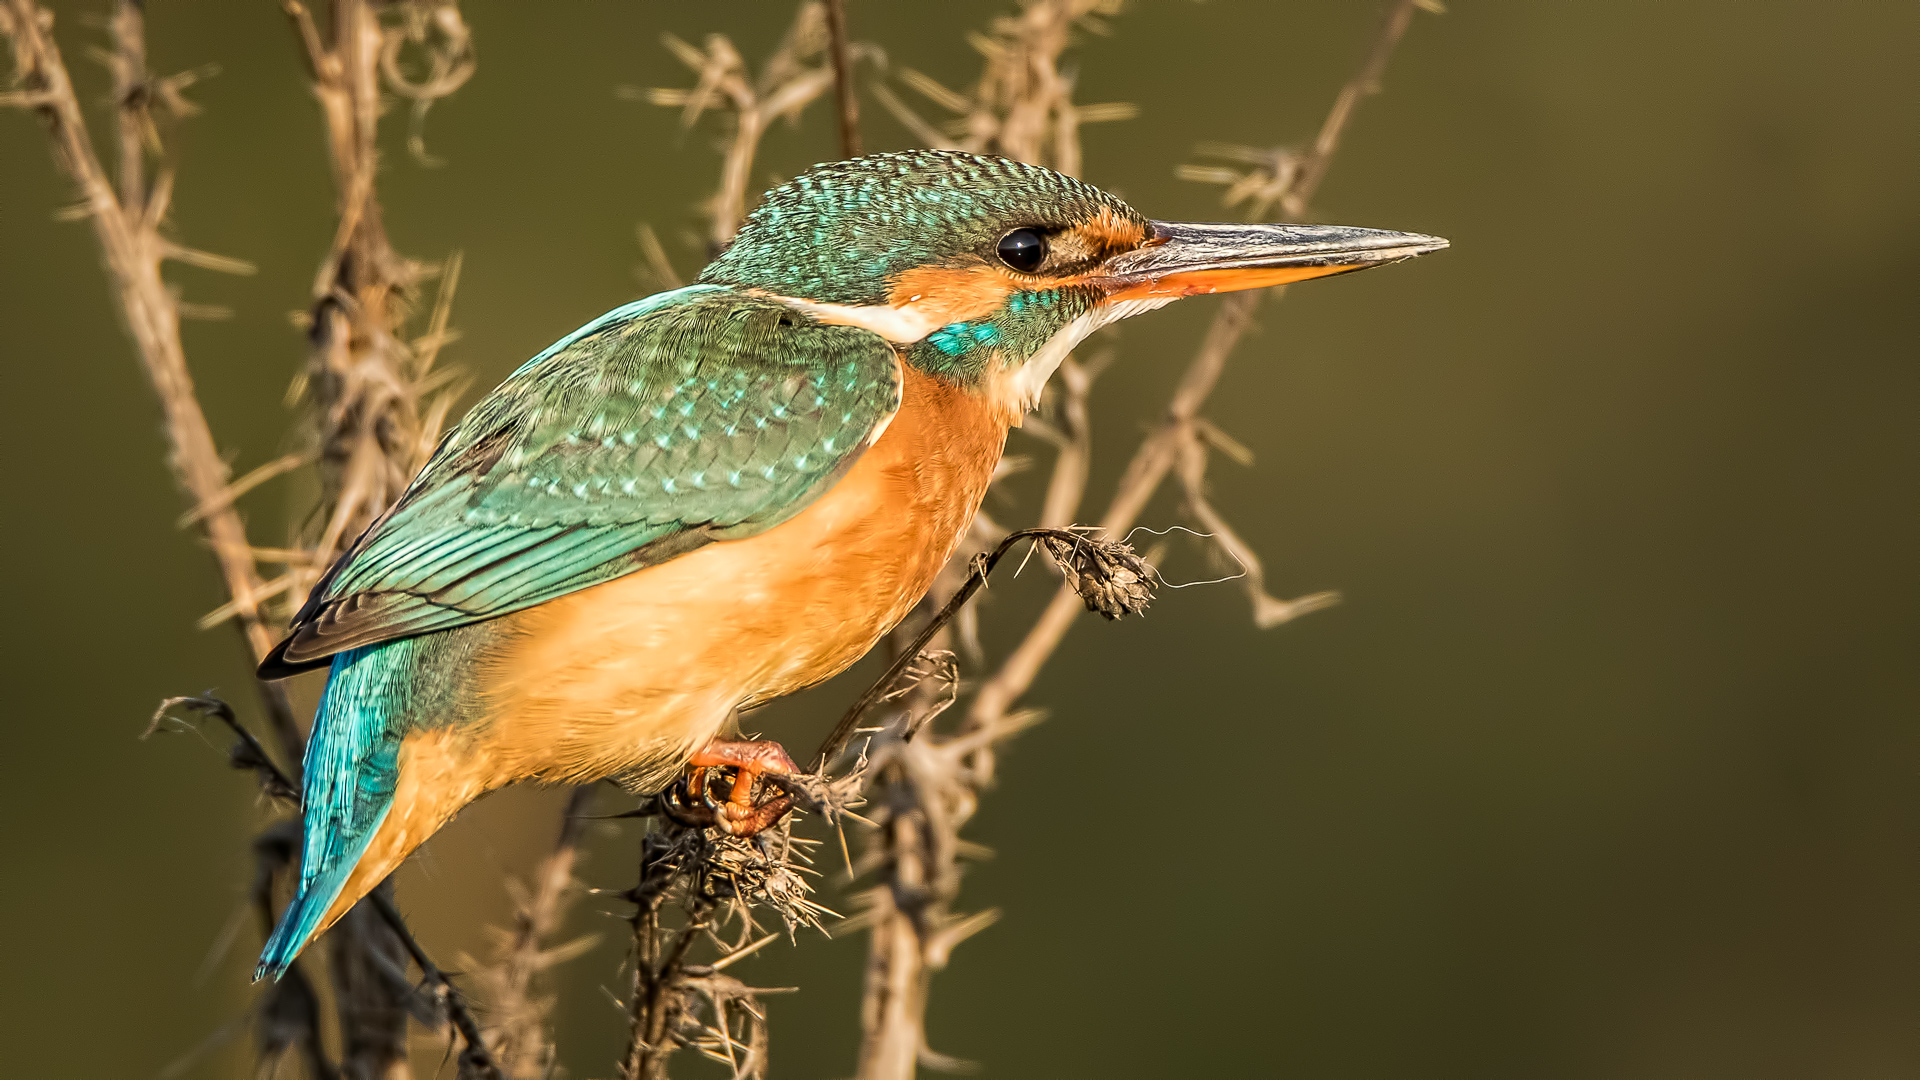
x,y
1189,258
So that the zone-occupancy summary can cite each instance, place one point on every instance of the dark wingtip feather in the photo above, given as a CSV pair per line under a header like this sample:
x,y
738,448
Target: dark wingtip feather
x,y
286,660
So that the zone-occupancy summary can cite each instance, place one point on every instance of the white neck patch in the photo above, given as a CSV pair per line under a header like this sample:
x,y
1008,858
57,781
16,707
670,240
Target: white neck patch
x,y
1019,388
901,325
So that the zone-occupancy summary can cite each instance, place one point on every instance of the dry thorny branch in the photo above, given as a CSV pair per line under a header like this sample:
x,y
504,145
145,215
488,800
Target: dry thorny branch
x,y
370,397
793,77
365,384
922,784
377,404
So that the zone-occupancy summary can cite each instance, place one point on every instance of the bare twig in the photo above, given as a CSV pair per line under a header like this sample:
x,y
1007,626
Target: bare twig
x,y
653,1004
369,393
366,385
437,29
843,92
1162,449
659,268
127,222
929,786
516,1014
474,1059
1365,83
793,77
290,1011
1105,574
709,877
1267,611
127,219
247,753
1022,106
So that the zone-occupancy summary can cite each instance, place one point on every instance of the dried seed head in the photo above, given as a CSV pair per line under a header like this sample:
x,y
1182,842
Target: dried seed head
x,y
1106,573
764,870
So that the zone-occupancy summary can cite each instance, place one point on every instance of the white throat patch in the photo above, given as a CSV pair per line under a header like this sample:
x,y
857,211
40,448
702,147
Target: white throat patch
x,y
1019,388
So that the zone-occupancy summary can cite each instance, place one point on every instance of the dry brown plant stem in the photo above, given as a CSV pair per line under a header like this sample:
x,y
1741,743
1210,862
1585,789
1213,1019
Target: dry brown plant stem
x,y
889,681
279,843
127,222
924,787
516,1014
709,878
475,1061
1023,107
128,218
1181,431
665,984
365,384
656,969
843,92
791,79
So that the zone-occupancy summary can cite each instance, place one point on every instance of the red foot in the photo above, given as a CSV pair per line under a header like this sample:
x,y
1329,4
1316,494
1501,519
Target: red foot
x,y
739,815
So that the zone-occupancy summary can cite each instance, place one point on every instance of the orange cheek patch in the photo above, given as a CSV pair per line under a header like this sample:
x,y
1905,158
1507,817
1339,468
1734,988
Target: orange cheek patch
x,y
1108,232
948,294
1200,282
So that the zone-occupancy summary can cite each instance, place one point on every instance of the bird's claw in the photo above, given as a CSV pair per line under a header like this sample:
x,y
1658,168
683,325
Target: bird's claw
x,y
690,802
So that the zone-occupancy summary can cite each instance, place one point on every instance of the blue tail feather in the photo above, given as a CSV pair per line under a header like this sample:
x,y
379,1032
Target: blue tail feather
x,y
309,906
352,768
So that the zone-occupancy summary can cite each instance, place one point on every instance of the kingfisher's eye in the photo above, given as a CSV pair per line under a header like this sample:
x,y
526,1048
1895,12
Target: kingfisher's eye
x,y
1023,249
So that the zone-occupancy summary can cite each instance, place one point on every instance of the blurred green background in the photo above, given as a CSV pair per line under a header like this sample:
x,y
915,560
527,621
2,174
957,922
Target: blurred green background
x,y
1606,767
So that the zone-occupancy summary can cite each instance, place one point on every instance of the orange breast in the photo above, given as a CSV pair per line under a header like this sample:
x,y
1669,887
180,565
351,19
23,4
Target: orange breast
x,y
630,676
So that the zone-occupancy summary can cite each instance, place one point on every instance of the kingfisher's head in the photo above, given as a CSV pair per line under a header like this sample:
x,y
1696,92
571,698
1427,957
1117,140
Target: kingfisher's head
x,y
986,271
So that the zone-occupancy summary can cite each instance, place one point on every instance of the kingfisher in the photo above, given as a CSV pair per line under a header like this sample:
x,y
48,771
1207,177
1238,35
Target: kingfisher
x,y
719,495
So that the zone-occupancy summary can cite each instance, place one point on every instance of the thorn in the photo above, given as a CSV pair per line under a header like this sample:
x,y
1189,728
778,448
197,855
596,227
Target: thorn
x,y
207,260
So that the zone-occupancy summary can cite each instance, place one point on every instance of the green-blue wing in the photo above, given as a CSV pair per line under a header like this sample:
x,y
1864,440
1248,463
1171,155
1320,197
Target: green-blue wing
x,y
688,417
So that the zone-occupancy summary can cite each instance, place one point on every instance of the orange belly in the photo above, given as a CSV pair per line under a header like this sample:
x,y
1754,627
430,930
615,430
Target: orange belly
x,y
629,677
